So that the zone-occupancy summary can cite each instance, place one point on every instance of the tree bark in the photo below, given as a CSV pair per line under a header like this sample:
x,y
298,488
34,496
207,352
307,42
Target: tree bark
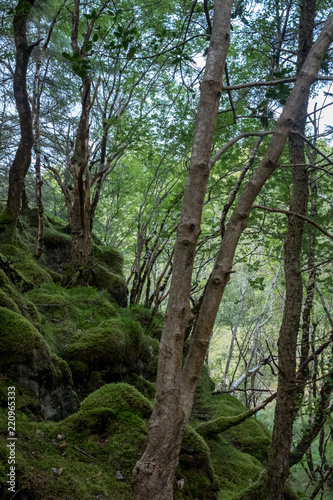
x,y
153,475
22,160
323,410
285,412
81,252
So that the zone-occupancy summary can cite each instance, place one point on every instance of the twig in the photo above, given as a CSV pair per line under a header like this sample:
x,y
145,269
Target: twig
x,y
85,453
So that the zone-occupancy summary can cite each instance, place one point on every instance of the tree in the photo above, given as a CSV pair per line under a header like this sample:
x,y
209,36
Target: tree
x,y
21,163
154,472
285,412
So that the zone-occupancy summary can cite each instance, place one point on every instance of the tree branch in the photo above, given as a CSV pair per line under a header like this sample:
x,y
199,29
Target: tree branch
x,y
288,212
270,83
236,139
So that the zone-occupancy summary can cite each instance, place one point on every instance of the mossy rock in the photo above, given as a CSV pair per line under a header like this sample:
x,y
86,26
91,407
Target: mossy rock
x,y
18,337
8,302
153,326
196,468
114,345
79,370
259,490
6,219
143,385
119,397
115,284
54,238
251,436
13,300
25,355
52,221
27,273
7,226
110,256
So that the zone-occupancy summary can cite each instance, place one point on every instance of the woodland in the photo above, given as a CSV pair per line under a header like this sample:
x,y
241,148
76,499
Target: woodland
x,y
166,201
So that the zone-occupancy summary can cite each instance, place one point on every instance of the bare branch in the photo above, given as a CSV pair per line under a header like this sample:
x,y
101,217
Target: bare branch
x,y
288,212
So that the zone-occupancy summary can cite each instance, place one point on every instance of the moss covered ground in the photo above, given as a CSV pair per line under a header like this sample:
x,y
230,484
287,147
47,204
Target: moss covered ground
x,y
61,345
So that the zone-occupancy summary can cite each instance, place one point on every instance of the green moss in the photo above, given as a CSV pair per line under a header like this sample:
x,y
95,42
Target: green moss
x,y
7,225
54,221
13,300
121,396
8,302
54,238
259,490
24,401
80,371
235,469
111,257
115,284
115,342
18,338
146,388
95,381
196,468
251,436
144,316
28,272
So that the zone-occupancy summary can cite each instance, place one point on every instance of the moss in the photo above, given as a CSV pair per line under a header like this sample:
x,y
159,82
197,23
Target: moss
x,y
251,436
18,338
7,225
56,239
114,343
196,468
8,302
28,272
95,381
6,217
79,370
121,396
146,388
13,300
54,221
115,284
235,469
111,257
144,316
259,490
24,401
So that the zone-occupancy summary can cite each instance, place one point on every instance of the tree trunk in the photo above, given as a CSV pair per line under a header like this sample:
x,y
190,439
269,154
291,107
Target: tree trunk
x,y
21,163
81,253
153,475
285,412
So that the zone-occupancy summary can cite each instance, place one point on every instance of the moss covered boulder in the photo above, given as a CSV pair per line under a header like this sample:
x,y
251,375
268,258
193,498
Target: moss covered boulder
x,y
115,348
26,357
